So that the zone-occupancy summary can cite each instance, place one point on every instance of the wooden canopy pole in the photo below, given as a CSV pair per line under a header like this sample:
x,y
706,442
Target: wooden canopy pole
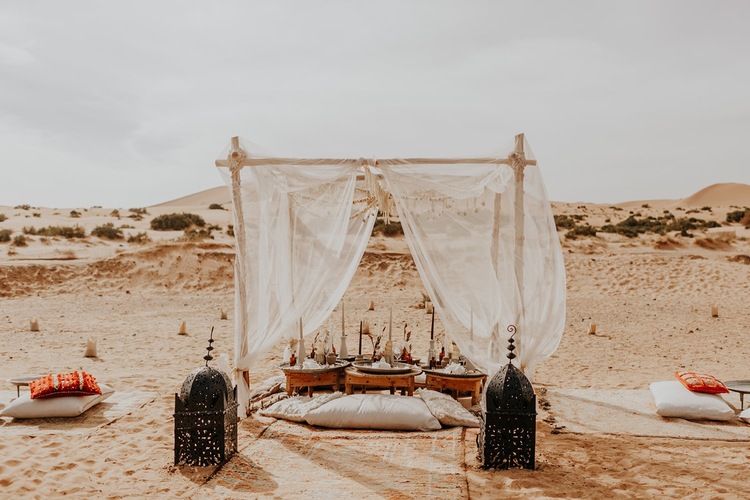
x,y
519,164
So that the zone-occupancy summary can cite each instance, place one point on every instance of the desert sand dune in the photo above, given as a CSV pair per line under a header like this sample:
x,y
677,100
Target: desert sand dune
x,y
649,296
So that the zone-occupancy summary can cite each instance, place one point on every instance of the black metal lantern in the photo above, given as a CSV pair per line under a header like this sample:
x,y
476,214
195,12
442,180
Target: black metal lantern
x,y
507,434
205,417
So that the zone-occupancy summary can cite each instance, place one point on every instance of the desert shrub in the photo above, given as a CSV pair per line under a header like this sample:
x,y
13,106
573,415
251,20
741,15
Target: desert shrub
x,y
36,214
564,222
138,211
645,205
736,215
176,222
389,229
135,217
20,241
713,244
196,234
5,235
706,209
580,231
126,226
633,226
115,213
23,207
75,214
215,206
230,229
3,217
62,231
140,238
108,231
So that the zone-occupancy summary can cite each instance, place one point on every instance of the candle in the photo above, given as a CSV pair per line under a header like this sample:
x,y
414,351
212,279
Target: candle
x,y
360,337
471,329
300,328
390,325
342,320
432,328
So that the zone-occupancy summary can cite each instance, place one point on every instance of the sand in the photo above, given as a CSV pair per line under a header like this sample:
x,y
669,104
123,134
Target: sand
x,y
597,434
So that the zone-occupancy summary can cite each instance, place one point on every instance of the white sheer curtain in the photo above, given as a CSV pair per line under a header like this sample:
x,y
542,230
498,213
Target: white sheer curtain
x,y
300,232
461,223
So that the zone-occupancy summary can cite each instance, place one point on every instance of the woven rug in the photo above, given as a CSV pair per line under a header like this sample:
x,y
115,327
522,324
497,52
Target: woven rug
x,y
286,459
116,406
632,412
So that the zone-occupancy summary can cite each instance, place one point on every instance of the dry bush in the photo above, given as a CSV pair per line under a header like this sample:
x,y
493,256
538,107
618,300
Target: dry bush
x,y
668,244
66,254
713,244
741,258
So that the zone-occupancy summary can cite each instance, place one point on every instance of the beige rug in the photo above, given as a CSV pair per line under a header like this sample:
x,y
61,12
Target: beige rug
x,y
116,406
344,464
632,412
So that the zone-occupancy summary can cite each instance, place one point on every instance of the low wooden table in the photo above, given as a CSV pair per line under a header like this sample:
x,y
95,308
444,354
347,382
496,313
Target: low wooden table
x,y
22,381
313,378
740,386
401,381
455,385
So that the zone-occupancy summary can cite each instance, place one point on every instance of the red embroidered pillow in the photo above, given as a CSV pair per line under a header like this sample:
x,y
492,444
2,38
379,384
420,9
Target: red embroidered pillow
x,y
700,382
64,384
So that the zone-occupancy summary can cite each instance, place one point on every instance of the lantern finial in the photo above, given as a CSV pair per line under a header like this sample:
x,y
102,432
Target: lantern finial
x,y
208,356
511,347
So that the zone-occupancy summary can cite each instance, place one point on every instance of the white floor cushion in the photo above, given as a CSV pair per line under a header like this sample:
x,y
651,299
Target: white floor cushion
x,y
297,407
375,411
447,410
674,400
63,406
745,416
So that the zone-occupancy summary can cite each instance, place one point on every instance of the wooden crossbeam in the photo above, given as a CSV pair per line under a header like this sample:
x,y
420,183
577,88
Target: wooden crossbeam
x,y
237,154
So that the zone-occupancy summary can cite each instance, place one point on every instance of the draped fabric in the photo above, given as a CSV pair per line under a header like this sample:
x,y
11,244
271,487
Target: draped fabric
x,y
481,233
489,256
300,234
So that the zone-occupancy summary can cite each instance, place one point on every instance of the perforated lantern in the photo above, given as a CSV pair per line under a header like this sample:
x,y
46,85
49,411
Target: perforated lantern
x,y
205,417
507,435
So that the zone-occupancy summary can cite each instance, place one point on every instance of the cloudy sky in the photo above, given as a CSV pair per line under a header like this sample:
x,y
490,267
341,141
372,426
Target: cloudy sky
x,y
128,104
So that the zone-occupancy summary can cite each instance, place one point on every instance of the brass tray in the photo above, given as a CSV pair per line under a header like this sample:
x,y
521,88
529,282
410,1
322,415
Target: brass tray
x,y
340,365
468,374
395,369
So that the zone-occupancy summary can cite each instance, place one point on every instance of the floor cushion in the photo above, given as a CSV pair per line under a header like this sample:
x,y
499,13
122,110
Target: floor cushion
x,y
375,411
296,408
447,410
674,400
63,406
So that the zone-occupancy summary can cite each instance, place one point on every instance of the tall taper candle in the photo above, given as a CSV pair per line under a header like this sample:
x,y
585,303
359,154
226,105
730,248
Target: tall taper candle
x,y
471,329
343,329
432,328
301,345
360,337
390,326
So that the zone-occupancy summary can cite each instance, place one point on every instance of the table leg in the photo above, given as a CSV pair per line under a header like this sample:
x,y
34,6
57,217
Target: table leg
x,y
742,401
393,389
348,388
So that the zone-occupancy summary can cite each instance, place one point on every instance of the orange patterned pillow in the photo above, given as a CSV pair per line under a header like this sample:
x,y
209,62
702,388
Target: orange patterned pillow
x,y
64,384
700,382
